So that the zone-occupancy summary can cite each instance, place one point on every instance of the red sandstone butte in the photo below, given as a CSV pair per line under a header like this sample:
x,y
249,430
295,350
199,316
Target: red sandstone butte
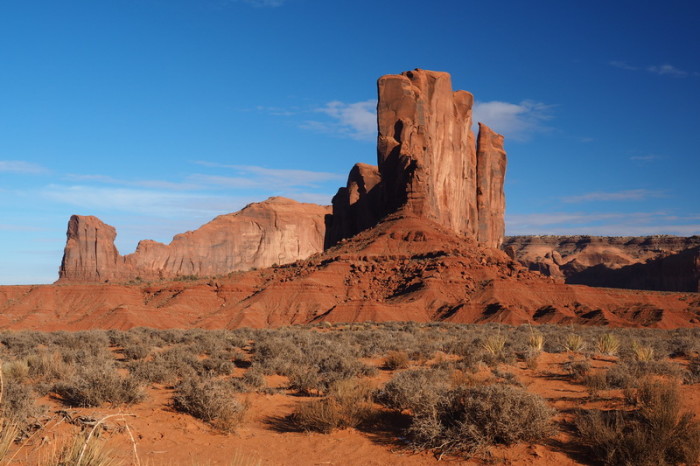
x,y
276,231
428,163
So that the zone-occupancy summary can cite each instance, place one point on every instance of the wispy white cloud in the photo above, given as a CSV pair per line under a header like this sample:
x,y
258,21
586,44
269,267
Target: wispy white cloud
x,y
265,3
155,184
17,166
251,176
278,111
662,70
6,227
622,65
356,120
605,224
626,195
141,201
667,70
646,158
515,121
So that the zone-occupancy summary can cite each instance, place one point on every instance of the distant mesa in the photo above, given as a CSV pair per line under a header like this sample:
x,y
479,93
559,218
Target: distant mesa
x,y
664,263
276,231
430,166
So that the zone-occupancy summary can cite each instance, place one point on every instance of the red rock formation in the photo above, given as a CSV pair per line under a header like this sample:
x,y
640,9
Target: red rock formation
x,y
429,165
406,268
425,149
90,254
357,206
490,198
276,231
667,263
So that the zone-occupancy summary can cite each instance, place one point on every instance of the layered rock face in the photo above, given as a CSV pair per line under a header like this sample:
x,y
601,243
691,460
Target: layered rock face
x,y
665,263
429,165
276,231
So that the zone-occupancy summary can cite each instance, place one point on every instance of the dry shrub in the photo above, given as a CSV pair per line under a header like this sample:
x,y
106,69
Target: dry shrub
x,y
414,388
348,404
136,351
470,418
494,344
608,344
396,360
532,359
212,401
692,374
95,385
656,433
18,403
578,369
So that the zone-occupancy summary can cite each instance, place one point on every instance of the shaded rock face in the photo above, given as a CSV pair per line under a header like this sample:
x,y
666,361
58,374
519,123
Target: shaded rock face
x,y
664,263
490,198
276,231
357,206
428,163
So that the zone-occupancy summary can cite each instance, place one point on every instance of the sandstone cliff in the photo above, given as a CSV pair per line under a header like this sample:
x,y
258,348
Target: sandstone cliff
x,y
666,263
276,231
429,165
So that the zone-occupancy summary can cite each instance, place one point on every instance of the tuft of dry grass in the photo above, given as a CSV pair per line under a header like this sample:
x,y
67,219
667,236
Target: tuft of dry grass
x,y
642,352
608,344
574,343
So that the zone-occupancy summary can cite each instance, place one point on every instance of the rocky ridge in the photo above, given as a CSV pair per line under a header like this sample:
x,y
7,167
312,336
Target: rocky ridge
x,y
276,231
665,263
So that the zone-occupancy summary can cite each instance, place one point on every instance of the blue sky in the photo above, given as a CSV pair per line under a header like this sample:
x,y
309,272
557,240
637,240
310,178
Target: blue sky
x,y
157,115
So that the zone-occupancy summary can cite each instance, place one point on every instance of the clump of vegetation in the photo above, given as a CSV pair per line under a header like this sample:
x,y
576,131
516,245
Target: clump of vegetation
x,y
467,419
608,344
574,343
642,353
411,389
348,404
95,385
656,433
396,360
212,401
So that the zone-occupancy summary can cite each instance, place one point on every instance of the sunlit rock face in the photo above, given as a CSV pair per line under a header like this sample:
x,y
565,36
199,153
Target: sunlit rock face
x,y
429,164
276,231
